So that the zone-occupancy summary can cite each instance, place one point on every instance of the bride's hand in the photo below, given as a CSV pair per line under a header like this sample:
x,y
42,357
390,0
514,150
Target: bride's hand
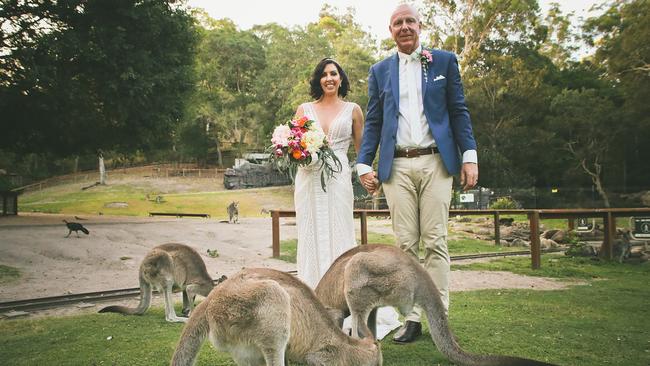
x,y
369,182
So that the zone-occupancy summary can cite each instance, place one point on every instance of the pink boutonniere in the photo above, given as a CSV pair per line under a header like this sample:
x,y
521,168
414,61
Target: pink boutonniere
x,y
425,59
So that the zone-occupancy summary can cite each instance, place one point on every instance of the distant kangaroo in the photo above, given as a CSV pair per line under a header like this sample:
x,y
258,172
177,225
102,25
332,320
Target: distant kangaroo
x,y
76,227
164,267
233,212
369,276
261,316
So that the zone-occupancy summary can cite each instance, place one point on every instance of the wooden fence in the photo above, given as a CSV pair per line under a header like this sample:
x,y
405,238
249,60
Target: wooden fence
x,y
154,171
608,215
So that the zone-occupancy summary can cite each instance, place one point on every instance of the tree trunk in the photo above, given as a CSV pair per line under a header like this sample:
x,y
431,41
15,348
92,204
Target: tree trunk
x,y
102,171
219,154
242,137
599,187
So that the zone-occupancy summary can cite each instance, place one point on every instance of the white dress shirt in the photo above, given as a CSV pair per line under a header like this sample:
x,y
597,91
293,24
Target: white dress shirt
x,y
412,127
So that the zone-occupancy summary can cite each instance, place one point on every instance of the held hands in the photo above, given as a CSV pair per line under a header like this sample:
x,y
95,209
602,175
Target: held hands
x,y
369,182
468,175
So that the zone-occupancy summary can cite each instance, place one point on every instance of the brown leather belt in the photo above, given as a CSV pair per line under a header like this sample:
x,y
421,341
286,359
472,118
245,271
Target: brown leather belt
x,y
414,152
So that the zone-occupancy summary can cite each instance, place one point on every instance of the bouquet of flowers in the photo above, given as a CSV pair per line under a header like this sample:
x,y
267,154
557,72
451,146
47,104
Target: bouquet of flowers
x,y
301,142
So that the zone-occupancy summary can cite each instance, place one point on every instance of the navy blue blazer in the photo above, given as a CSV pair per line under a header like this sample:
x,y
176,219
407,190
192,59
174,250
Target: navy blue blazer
x,y
444,108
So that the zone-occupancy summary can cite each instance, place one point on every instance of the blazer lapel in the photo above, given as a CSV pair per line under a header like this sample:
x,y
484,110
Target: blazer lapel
x,y
394,78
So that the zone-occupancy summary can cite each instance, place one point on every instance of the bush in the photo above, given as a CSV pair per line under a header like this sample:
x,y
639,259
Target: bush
x,y
504,203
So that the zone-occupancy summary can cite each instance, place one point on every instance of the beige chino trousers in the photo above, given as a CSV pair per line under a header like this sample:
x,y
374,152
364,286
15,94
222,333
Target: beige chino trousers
x,y
418,194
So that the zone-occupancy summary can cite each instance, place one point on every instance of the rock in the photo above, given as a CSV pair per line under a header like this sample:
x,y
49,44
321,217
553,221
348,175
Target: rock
x,y
549,233
559,236
463,219
518,242
547,243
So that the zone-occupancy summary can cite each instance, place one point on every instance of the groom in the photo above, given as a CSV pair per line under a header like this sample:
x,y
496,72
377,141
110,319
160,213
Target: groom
x,y
418,118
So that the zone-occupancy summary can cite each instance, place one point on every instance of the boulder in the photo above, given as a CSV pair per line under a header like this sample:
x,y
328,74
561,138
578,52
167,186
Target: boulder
x,y
518,242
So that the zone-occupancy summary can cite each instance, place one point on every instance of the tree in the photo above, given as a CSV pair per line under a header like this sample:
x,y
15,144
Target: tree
x,y
559,43
225,102
88,75
464,27
622,37
583,122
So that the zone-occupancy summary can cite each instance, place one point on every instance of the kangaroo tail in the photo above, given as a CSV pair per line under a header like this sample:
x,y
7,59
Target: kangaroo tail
x,y
192,337
443,337
145,302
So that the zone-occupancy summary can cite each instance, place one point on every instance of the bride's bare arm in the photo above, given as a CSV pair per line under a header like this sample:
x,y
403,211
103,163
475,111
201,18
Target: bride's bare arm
x,y
357,127
299,112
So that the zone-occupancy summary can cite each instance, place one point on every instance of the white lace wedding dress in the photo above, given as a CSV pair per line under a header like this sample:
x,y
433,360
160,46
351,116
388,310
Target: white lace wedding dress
x,y
325,219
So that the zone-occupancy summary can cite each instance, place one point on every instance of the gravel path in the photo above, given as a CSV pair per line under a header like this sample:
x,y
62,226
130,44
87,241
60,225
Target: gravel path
x,y
109,257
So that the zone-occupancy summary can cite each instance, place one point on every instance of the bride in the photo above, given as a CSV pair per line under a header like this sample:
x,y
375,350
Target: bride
x,y
324,219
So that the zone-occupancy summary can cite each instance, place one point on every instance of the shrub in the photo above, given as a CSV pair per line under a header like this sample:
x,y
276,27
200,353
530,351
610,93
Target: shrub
x,y
504,203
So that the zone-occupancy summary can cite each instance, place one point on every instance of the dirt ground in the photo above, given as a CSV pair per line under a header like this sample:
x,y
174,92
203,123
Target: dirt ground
x,y
109,257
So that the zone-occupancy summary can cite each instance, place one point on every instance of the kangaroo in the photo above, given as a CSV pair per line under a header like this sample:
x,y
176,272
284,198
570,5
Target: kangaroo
x,y
264,316
164,267
233,212
369,276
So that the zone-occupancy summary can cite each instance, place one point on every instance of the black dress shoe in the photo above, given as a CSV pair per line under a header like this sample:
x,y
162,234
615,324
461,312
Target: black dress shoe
x,y
409,332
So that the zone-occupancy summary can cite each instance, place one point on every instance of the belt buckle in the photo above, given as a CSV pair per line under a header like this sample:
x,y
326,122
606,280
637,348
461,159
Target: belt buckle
x,y
411,152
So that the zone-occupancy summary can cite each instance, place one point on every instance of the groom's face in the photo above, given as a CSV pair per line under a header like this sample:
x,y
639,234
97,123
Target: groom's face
x,y
405,28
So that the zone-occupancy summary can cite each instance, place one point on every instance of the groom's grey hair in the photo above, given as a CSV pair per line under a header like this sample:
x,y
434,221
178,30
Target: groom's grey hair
x,y
405,5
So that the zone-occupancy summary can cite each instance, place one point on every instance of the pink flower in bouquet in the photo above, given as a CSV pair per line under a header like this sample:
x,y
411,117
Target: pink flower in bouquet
x,y
281,135
297,132
294,143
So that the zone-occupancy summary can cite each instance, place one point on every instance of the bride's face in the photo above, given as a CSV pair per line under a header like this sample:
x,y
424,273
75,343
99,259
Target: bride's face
x,y
330,80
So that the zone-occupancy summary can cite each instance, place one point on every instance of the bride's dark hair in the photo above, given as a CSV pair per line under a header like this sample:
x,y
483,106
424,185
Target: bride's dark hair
x,y
316,90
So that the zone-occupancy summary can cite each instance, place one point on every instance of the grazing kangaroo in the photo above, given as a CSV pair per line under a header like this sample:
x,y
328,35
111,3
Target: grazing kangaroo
x,y
262,316
76,227
233,212
369,276
164,267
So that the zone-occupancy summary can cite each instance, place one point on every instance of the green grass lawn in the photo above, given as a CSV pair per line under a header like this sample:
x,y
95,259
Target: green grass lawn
x,y
549,224
601,323
70,199
456,246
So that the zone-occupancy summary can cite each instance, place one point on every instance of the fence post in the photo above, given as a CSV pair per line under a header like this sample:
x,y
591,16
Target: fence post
x,y
610,235
535,251
364,227
275,218
497,230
